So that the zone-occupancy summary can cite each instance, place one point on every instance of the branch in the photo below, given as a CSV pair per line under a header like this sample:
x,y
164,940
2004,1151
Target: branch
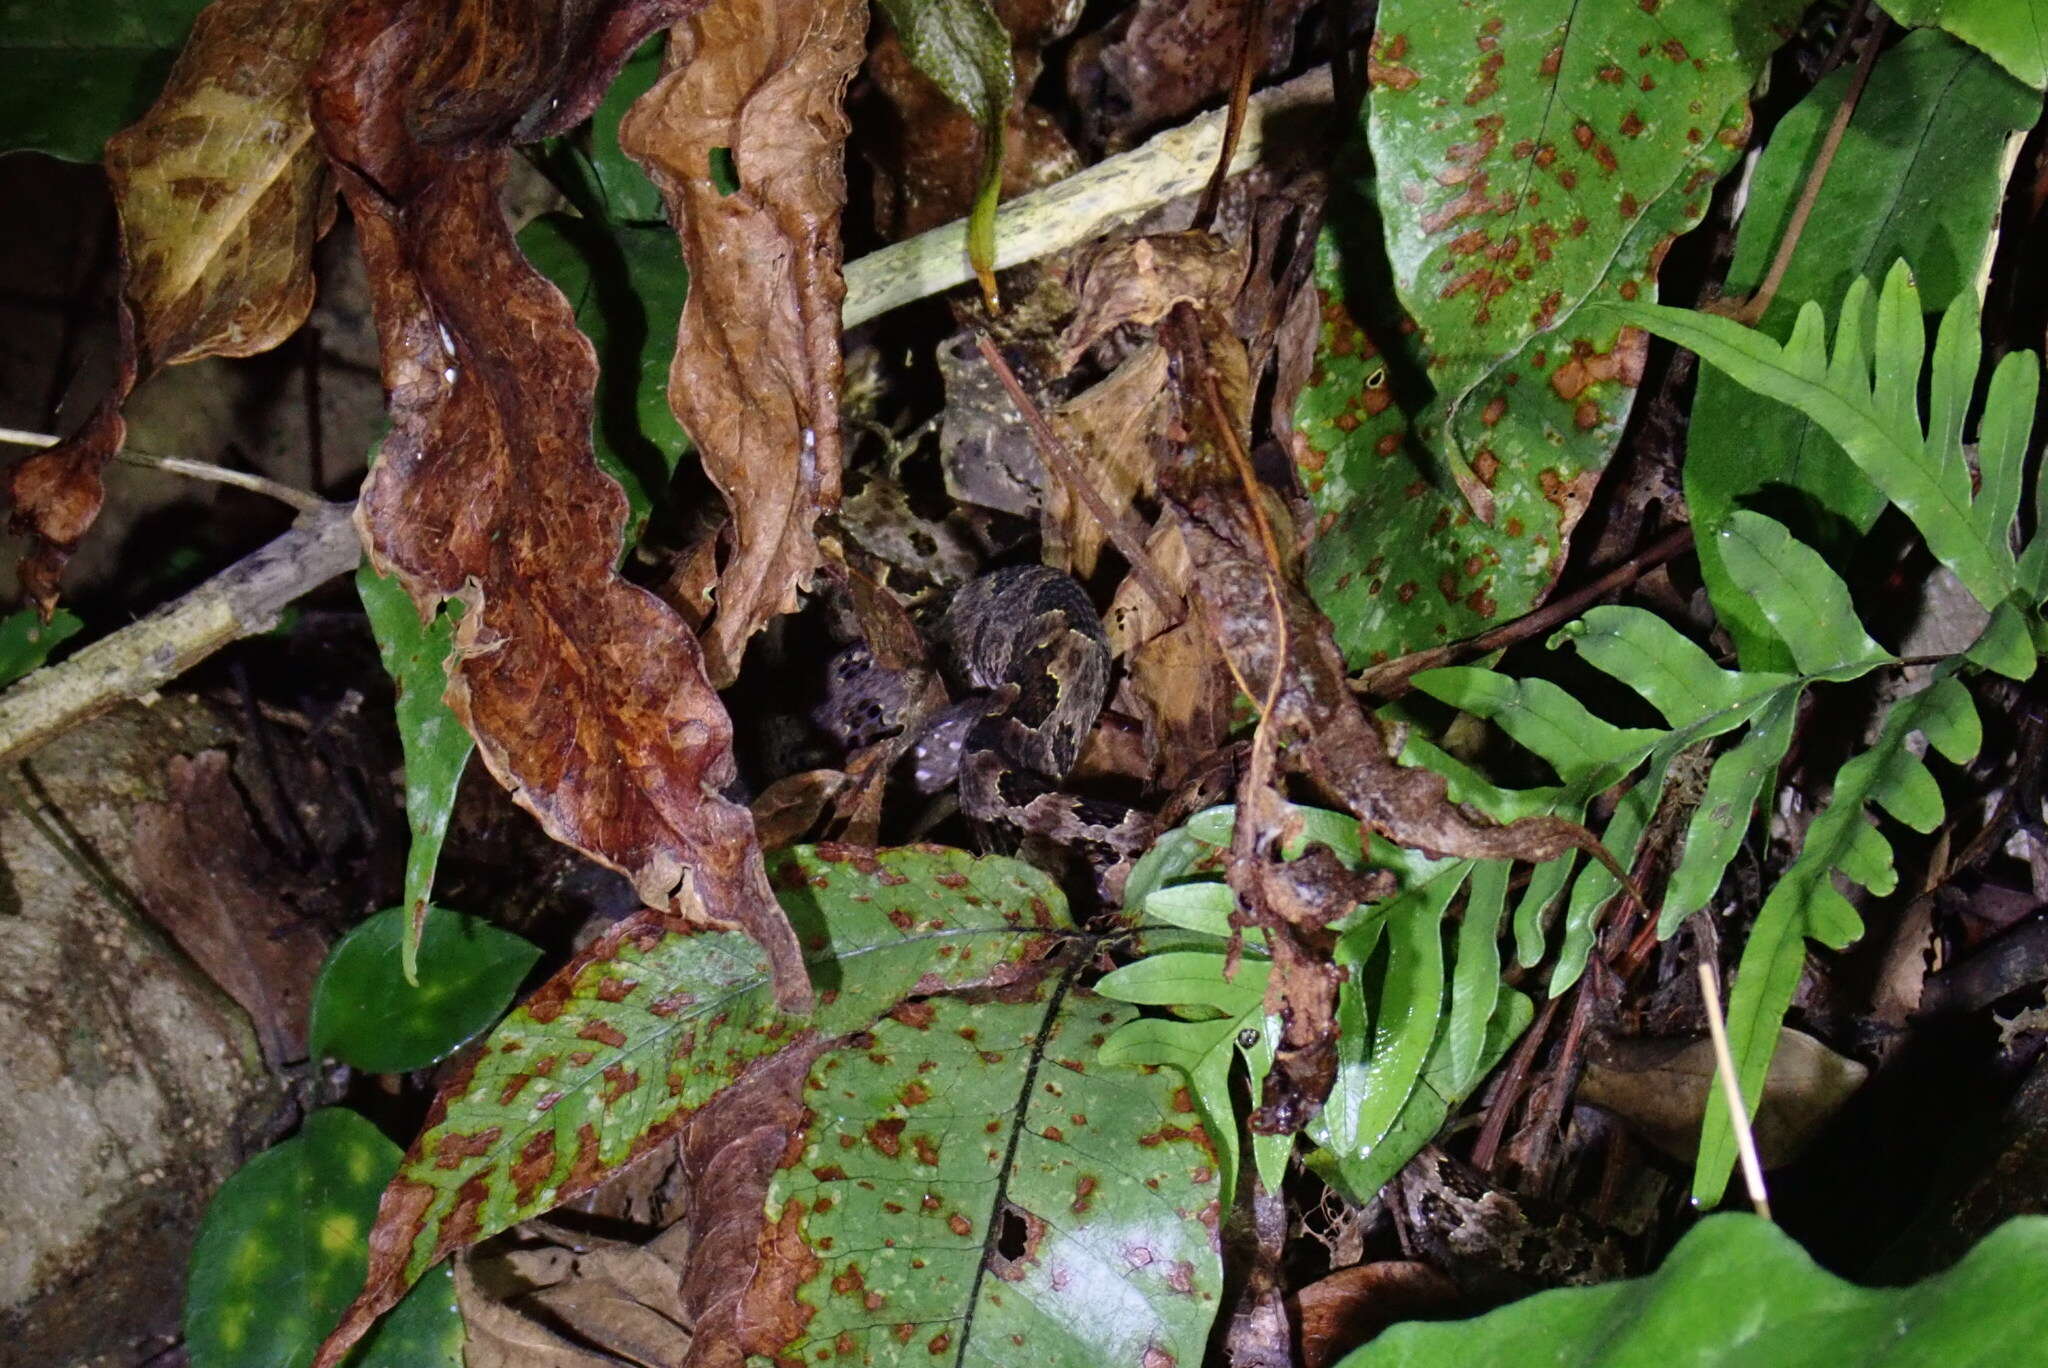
x,y
240,601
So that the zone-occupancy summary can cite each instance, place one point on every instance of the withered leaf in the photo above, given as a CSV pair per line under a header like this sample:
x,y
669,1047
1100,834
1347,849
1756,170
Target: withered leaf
x,y
1111,425
221,191
587,695
1161,59
208,878
755,379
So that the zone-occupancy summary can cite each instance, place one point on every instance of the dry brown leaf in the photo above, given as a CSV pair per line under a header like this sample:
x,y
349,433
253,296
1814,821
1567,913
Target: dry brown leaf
x,y
1661,1088
1338,1313
1161,59
587,695
755,379
221,191
207,877
1111,426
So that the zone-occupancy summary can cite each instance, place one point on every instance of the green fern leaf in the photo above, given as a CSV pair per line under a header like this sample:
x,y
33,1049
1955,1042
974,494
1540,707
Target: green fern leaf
x,y
1867,398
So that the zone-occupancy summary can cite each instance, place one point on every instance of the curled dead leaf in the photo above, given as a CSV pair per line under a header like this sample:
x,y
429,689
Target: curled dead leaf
x,y
222,191
587,695
755,379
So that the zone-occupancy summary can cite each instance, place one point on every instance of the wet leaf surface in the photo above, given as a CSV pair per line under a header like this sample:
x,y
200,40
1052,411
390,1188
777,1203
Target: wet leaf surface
x,y
756,373
615,1053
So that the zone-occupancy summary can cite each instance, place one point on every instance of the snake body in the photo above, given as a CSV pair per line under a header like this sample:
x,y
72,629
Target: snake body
x,y
1029,650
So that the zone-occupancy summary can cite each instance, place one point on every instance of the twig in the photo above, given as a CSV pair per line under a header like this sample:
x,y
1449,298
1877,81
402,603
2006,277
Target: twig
x,y
240,601
1250,58
1068,471
1795,226
1731,1090
1079,208
197,470
1391,679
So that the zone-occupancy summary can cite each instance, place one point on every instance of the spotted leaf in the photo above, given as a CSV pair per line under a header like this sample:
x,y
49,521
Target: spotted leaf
x,y
658,1017
1529,158
977,1187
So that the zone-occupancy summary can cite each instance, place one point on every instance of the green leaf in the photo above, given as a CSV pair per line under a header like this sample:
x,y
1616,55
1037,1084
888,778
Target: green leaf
x,y
627,285
2013,33
630,197
1915,176
1803,599
1529,157
1737,1290
1382,1049
658,1016
436,745
965,50
75,72
282,1249
26,640
1879,427
1805,902
365,1013
1721,820
900,1189
1202,1050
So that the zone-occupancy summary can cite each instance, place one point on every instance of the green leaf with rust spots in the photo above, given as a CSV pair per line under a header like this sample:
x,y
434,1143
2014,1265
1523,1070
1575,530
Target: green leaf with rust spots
x,y
75,72
1233,1022
435,744
979,1187
282,1248
2013,33
26,640
367,1015
1919,174
657,1017
627,285
1737,1290
1528,158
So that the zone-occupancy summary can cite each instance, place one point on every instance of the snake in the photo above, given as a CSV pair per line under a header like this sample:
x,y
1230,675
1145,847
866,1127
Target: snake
x,y
1028,649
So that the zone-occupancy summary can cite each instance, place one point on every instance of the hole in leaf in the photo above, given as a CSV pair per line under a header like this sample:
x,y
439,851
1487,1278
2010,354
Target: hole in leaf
x,y
1011,1239
725,172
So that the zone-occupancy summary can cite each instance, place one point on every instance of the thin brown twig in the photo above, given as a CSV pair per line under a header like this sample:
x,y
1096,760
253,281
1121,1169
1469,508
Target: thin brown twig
x,y
1487,1147
195,470
1795,226
1391,679
1249,59
1067,469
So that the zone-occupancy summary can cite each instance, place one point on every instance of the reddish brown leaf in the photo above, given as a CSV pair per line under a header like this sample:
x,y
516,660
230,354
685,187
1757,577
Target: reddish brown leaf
x,y
755,379
221,192
586,694
207,877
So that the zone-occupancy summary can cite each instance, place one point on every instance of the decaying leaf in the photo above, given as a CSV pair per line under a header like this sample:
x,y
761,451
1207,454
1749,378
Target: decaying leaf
x,y
1112,424
587,695
1661,1087
222,192
207,876
950,1122
755,379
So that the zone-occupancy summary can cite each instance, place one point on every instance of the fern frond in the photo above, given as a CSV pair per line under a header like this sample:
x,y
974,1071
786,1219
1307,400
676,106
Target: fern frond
x,y
1866,396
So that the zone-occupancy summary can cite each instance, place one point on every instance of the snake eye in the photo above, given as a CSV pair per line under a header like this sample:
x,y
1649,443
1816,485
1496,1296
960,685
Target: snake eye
x,y
1247,1038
